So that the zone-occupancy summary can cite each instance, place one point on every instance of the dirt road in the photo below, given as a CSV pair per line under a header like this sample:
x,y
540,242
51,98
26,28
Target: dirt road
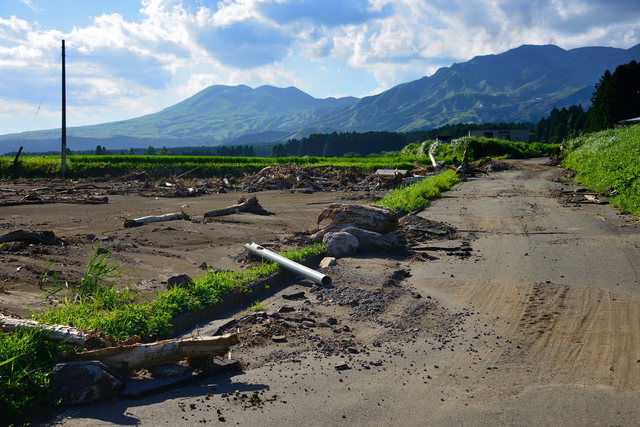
x,y
539,324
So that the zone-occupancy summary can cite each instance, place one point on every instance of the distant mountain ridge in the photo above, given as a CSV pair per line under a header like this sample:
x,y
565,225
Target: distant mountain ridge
x,y
522,84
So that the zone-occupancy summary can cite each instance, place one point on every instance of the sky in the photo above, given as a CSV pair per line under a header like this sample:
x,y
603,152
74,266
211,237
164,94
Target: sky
x,y
126,58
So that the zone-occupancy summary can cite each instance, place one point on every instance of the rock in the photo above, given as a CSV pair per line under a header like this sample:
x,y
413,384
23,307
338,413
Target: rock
x,y
371,240
84,382
278,338
286,309
332,321
181,280
342,367
203,266
340,244
327,261
295,295
373,218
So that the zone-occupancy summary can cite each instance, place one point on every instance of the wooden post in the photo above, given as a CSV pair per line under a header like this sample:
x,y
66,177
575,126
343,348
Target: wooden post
x,y
17,158
63,135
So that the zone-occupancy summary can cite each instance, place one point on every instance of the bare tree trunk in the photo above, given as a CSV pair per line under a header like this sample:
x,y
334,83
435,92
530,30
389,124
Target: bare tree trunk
x,y
56,333
128,223
159,353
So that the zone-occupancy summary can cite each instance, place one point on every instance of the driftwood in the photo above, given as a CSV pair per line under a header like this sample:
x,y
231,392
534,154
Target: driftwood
x,y
247,206
56,333
33,199
463,169
433,160
373,218
159,353
128,223
43,237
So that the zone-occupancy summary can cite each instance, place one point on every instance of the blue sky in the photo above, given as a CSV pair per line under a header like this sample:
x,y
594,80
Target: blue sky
x,y
126,58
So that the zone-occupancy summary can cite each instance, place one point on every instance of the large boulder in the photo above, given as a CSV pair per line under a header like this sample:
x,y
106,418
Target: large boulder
x,y
84,382
373,218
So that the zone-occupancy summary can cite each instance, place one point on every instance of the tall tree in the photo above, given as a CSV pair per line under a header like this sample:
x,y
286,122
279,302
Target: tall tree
x,y
617,97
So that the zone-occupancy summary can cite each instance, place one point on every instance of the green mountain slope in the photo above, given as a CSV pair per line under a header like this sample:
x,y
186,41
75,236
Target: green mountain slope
x,y
522,84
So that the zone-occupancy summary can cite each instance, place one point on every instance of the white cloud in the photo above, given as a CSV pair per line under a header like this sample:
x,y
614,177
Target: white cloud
x,y
31,5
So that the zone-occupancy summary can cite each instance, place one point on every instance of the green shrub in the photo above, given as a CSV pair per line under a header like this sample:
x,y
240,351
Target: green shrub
x,y
25,361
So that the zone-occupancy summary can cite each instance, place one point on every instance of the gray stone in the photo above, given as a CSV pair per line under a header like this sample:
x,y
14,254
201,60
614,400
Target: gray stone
x,y
340,244
181,280
84,382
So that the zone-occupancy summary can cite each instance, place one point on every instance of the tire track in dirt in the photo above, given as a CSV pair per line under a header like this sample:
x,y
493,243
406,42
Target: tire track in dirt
x,y
558,282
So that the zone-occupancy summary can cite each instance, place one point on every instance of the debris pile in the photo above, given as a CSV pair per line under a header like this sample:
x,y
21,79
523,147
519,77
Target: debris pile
x,y
84,194
292,326
312,179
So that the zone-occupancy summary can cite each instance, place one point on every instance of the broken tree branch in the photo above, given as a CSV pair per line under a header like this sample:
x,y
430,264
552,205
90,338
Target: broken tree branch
x,y
128,223
56,333
159,353
248,206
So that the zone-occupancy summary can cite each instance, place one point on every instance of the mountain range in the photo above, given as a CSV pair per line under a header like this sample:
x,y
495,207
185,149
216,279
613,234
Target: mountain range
x,y
522,84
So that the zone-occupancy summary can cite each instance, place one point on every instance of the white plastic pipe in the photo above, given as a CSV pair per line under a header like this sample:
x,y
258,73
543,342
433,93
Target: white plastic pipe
x,y
293,266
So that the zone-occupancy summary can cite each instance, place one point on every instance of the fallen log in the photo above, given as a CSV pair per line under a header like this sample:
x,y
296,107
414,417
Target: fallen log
x,y
159,353
128,223
43,237
55,333
247,206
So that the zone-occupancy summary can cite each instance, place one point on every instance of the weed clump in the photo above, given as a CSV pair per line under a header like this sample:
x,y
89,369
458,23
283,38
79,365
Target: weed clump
x,y
416,196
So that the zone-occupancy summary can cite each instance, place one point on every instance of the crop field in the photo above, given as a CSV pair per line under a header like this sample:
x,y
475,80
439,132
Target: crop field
x,y
198,166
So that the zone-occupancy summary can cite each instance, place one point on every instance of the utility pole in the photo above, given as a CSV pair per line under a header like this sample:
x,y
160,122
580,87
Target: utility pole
x,y
63,165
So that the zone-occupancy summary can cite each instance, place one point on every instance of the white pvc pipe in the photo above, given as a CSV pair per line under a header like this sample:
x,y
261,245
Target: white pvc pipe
x,y
306,272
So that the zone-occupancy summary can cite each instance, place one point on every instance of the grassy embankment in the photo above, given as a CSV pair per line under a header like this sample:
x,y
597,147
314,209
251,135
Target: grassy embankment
x,y
609,161
26,358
